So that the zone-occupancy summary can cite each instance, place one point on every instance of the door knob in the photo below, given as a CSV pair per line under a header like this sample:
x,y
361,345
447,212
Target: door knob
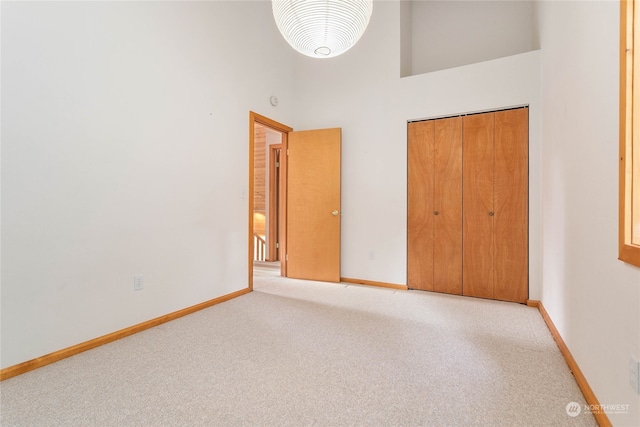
x,y
335,212
436,212
491,214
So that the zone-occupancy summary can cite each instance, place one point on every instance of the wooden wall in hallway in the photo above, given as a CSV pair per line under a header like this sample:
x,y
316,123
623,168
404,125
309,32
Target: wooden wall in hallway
x,y
259,179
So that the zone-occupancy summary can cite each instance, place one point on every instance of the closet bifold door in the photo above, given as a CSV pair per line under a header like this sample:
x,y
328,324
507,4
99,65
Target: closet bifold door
x,y
447,252
420,180
434,205
478,209
511,205
495,205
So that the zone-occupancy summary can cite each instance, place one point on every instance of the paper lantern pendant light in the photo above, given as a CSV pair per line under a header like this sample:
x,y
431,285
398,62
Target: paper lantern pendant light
x,y
322,28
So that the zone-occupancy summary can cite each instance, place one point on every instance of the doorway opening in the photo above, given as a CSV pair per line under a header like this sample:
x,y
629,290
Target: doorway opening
x,y
267,196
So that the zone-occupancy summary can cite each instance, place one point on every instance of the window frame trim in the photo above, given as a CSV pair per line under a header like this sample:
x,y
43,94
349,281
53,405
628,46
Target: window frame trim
x,y
627,252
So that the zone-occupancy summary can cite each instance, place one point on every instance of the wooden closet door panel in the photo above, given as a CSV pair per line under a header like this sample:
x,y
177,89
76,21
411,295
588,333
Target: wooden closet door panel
x,y
447,253
420,152
478,181
511,205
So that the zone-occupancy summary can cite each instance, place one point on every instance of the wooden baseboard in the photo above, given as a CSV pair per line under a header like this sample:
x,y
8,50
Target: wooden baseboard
x,y
41,361
372,283
587,392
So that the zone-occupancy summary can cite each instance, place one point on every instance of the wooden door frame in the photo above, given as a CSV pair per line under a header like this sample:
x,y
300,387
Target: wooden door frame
x,y
274,212
284,130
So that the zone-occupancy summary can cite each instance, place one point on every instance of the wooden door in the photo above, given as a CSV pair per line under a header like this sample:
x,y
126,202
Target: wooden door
x,y
478,208
420,204
511,205
434,205
313,205
467,205
447,218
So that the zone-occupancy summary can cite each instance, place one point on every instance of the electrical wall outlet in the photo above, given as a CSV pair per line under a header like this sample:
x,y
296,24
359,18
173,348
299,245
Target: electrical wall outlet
x,y
372,255
138,282
634,374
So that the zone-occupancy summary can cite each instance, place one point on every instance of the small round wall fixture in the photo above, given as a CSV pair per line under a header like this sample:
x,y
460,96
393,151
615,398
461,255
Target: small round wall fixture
x,y
322,28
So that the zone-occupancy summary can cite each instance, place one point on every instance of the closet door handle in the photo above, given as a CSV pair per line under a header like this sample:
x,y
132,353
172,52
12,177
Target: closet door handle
x,y
436,213
491,214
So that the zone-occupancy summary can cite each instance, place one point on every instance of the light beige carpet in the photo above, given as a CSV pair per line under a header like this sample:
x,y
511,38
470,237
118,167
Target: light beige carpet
x,y
305,353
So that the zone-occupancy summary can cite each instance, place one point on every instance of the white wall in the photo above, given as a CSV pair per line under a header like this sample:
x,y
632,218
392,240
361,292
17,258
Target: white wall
x,y
448,34
362,92
125,151
593,299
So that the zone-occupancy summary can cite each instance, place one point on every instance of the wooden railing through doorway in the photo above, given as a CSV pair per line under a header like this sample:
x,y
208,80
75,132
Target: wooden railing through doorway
x,y
259,248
